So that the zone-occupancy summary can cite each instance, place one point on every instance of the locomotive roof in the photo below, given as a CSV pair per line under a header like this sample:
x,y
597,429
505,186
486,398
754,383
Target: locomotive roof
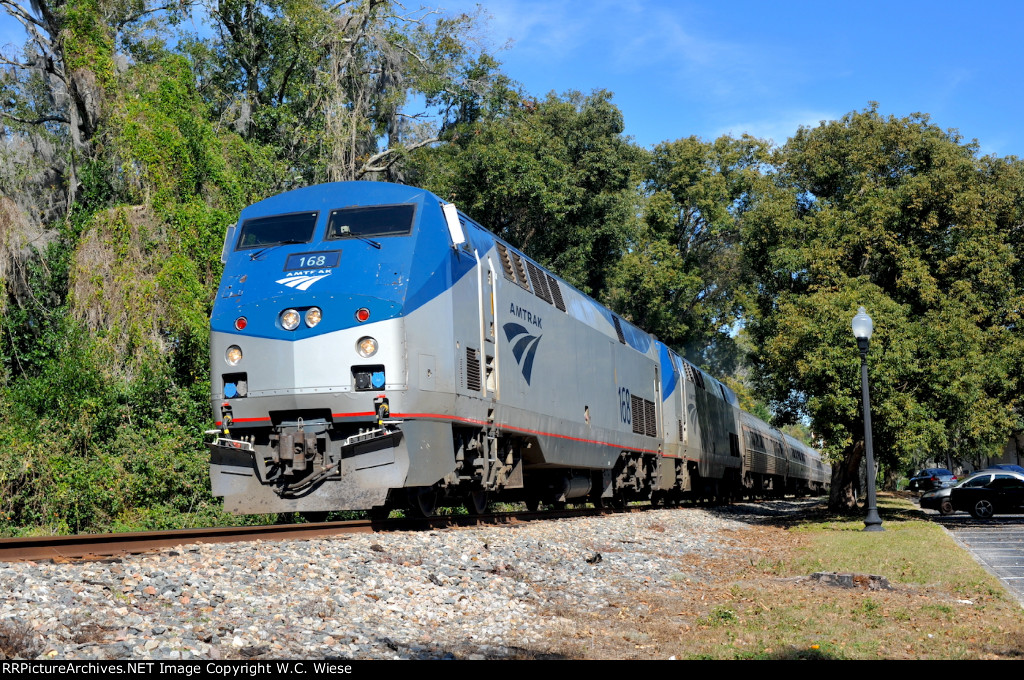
x,y
326,196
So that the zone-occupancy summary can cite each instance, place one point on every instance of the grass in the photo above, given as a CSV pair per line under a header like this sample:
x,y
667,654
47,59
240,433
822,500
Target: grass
x,y
942,604
914,551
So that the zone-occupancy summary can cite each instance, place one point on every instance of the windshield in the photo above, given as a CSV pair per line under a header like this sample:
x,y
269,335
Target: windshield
x,y
377,220
976,479
261,232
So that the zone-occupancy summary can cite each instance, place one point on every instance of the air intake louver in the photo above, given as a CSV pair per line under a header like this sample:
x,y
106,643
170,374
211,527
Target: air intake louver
x,y
520,271
618,329
556,293
473,383
506,263
650,419
540,284
645,419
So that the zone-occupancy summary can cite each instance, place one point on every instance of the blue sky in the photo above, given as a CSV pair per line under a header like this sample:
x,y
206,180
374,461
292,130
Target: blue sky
x,y
764,68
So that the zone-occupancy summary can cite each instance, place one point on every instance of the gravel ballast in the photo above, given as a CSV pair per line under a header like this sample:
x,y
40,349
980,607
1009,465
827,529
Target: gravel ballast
x,y
486,592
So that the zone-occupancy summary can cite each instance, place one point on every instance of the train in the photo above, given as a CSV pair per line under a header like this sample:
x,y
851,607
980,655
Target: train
x,y
374,348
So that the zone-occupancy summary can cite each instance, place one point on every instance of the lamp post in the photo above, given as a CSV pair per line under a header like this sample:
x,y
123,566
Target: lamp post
x,y
862,328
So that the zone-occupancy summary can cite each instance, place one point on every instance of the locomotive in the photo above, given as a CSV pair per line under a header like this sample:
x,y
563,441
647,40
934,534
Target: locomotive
x,y
372,347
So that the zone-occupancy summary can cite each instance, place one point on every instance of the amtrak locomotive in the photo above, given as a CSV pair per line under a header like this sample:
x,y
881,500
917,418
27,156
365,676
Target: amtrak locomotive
x,y
372,347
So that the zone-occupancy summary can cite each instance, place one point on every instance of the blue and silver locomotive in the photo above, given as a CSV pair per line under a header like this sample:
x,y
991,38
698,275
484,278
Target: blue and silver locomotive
x,y
372,347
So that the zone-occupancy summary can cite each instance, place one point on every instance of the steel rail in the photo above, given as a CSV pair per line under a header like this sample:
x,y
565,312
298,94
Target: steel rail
x,y
62,548
100,546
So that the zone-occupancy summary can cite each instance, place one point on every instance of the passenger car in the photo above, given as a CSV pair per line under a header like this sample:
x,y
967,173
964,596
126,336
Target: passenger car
x,y
987,492
931,478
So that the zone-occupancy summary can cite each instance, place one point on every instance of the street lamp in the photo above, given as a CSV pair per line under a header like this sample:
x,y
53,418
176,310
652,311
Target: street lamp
x,y
862,328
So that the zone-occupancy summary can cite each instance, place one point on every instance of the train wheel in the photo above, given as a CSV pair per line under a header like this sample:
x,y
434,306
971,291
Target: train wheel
x,y
314,517
533,503
476,502
423,501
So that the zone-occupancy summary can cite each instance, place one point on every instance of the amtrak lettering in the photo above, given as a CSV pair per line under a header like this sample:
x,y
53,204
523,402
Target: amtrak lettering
x,y
524,347
522,313
304,279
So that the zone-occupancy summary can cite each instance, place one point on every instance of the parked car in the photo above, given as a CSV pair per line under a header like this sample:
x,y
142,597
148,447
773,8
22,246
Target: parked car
x,y
938,499
985,493
931,478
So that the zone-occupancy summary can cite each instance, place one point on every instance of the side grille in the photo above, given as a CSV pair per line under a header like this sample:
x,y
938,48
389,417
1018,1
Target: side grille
x,y
618,329
637,405
650,419
520,271
473,383
556,293
695,376
645,418
506,263
540,283
529,276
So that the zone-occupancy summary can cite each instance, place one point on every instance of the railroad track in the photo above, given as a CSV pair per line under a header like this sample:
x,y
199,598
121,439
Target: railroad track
x,y
99,546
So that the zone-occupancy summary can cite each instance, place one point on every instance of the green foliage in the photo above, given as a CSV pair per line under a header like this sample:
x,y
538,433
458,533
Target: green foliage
x,y
556,178
88,451
32,325
147,266
902,218
104,345
88,41
329,86
680,276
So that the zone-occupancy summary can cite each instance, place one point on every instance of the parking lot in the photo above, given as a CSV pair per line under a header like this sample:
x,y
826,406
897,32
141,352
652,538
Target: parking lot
x,y
996,543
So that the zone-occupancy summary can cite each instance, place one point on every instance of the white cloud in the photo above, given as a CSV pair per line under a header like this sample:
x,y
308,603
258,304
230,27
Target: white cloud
x,y
779,128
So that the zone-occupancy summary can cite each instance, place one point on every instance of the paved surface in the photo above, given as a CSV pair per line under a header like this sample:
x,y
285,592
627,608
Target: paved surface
x,y
998,544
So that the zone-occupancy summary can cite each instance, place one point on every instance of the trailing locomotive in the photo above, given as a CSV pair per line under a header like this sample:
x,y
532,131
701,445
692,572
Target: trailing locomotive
x,y
372,347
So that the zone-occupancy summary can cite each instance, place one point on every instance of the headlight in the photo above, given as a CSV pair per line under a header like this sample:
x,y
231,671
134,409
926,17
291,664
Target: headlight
x,y
289,319
313,316
366,347
233,355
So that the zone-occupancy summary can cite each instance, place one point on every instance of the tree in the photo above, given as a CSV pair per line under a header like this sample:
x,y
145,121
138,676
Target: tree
x,y
556,178
680,276
903,218
55,90
106,320
329,85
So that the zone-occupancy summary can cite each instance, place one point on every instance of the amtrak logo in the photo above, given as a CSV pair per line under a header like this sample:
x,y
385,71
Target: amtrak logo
x,y
524,347
303,281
